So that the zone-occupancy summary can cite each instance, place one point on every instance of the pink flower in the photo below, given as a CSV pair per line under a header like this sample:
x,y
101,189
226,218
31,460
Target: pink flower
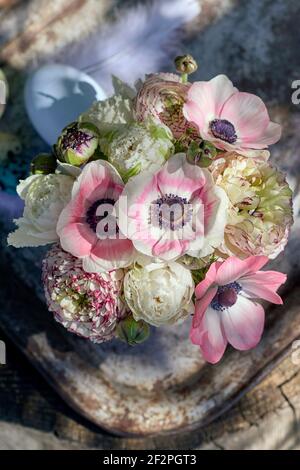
x,y
87,226
226,309
175,211
228,118
87,304
161,97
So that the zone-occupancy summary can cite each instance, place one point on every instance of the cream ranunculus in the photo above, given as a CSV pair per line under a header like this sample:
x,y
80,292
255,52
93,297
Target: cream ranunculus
x,y
45,197
159,293
260,212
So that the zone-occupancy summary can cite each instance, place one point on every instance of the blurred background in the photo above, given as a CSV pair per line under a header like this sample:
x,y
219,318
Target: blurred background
x,y
255,43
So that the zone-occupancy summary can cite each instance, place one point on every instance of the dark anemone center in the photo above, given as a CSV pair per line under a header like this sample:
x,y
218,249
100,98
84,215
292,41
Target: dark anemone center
x,y
74,138
93,219
170,212
224,130
226,296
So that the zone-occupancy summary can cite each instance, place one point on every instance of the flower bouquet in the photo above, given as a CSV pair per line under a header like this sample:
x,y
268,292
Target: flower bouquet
x,y
161,205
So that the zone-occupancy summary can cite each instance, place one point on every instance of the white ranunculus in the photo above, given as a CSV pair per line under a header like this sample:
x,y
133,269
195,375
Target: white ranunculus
x,y
144,148
45,197
159,293
109,114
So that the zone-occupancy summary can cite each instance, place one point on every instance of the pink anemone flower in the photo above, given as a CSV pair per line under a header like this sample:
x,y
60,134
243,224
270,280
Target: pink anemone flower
x,y
87,226
175,211
226,310
230,119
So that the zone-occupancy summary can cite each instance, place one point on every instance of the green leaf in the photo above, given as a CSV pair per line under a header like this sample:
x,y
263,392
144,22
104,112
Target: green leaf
x,y
132,172
159,132
98,155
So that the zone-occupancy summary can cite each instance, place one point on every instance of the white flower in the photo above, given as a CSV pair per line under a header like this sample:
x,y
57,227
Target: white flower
x,y
159,293
45,197
138,147
109,114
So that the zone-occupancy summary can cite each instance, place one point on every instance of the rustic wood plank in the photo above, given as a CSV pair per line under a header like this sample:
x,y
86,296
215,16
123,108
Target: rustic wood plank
x,y
251,424
254,422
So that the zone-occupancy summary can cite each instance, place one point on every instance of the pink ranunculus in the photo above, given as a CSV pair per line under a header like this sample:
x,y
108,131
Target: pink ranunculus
x,y
161,98
174,211
230,119
87,226
87,304
226,308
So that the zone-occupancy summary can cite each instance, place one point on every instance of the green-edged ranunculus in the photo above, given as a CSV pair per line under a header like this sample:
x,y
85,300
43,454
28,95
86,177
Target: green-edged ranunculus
x,y
137,147
260,213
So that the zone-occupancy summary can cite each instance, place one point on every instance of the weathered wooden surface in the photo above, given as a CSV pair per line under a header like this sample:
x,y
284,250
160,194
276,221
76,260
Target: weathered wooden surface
x,y
266,418
233,36
34,417
153,388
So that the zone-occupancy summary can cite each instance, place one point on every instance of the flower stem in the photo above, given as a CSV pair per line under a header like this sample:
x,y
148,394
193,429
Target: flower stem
x,y
184,77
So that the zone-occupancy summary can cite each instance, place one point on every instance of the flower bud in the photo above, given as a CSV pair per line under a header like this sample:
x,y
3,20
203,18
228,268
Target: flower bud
x,y
77,143
204,161
208,149
133,332
43,164
201,154
186,64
